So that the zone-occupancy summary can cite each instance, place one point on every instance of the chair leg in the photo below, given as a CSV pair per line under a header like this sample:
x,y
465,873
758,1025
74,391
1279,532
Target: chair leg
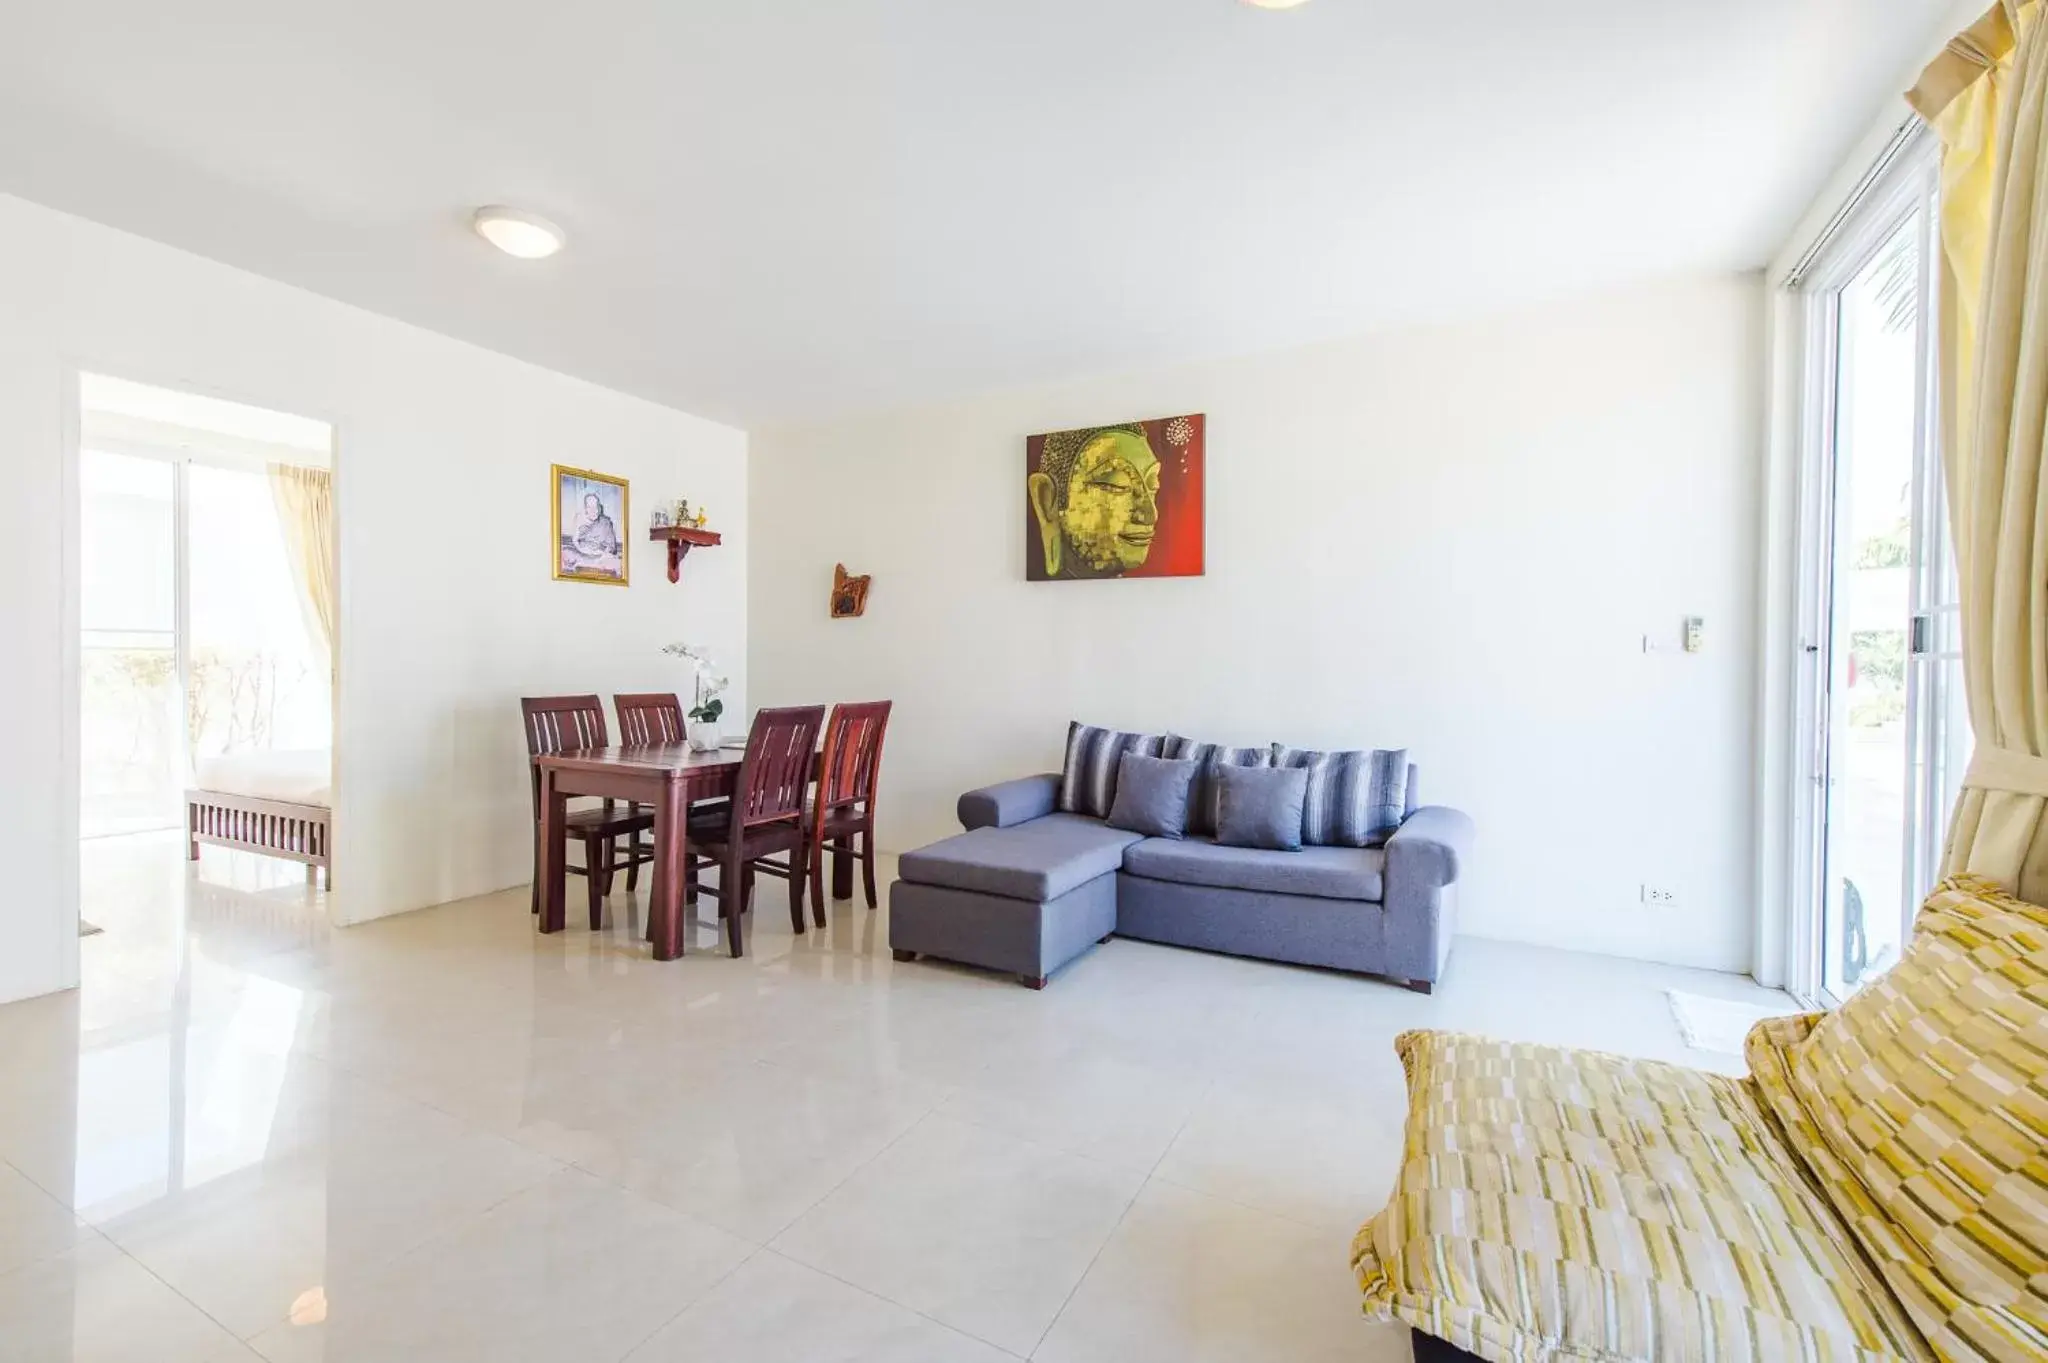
x,y
593,877
633,863
814,863
797,924
611,861
867,863
732,900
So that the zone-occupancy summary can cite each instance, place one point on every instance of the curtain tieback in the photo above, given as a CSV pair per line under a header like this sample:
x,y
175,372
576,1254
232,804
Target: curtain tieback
x,y
2007,769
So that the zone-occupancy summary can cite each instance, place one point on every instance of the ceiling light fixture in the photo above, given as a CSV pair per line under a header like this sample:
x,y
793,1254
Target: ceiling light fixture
x,y
1275,4
516,233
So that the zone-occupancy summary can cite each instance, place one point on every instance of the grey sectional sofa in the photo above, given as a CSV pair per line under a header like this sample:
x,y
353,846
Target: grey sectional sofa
x,y
1026,890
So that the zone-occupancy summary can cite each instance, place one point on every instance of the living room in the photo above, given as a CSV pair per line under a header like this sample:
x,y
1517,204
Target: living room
x,y
1454,595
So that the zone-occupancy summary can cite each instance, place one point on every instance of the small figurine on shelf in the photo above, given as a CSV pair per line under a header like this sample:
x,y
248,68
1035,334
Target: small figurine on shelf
x,y
682,512
658,519
702,516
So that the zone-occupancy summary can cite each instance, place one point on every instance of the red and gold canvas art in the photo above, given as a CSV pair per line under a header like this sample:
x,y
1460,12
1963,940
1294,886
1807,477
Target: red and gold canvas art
x,y
1115,501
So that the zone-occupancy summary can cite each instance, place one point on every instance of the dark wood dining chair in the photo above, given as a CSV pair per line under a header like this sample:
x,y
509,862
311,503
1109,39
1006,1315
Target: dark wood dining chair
x,y
766,817
560,723
649,719
655,719
842,813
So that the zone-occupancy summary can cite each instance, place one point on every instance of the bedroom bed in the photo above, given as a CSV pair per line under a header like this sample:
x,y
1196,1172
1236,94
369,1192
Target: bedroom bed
x,y
272,803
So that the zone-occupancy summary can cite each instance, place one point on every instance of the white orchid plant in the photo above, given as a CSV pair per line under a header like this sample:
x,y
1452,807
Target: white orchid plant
x,y
709,681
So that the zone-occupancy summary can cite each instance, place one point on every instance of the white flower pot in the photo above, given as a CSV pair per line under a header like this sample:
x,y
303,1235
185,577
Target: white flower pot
x,y
703,735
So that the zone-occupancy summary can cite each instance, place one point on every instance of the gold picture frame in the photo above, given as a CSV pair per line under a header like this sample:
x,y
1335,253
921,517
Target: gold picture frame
x,y
585,551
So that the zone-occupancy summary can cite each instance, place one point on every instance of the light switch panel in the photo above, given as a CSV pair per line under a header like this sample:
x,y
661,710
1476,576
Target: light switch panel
x,y
1695,633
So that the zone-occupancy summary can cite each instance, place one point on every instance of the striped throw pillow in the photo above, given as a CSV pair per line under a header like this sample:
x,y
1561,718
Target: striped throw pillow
x,y
1355,799
1204,804
1088,781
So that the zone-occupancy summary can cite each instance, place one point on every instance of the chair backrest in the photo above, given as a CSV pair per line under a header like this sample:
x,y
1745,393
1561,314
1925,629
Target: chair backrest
x,y
649,718
852,761
775,774
558,723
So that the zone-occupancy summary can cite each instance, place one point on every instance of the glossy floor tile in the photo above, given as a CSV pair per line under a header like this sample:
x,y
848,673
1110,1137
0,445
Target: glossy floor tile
x,y
774,1310
441,1136
1188,1278
971,1226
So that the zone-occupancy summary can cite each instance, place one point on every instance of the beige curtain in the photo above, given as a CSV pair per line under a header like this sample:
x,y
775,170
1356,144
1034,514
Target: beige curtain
x,y
305,510
1987,98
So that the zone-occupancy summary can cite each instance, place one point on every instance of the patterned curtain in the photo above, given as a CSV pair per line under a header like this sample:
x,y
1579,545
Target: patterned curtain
x,y
305,511
1987,98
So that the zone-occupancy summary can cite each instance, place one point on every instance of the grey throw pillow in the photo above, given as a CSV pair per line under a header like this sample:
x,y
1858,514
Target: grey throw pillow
x,y
1210,756
1260,807
1088,781
1152,796
1355,799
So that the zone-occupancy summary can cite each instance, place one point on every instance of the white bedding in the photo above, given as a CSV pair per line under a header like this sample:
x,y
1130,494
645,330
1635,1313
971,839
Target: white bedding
x,y
299,778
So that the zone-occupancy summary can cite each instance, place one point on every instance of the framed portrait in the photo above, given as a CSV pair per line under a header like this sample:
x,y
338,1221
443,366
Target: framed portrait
x,y
1115,501
589,522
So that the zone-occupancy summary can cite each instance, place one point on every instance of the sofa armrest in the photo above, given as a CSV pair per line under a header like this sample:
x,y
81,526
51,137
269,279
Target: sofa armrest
x,y
1431,845
1012,802
1425,857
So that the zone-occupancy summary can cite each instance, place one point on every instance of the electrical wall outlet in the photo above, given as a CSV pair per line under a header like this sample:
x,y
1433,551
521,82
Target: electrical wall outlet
x,y
1658,896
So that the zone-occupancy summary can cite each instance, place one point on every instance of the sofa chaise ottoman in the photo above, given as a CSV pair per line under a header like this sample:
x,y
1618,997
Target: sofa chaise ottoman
x,y
1872,1189
1025,899
1026,889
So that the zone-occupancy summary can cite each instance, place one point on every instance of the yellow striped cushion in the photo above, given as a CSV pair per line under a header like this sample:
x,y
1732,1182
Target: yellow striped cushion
x,y
1568,1205
1928,1092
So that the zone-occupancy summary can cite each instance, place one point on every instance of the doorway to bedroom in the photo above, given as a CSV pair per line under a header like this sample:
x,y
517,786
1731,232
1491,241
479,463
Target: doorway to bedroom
x,y
207,617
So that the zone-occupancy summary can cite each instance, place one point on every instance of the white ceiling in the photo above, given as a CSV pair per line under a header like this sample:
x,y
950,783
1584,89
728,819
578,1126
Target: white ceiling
x,y
788,208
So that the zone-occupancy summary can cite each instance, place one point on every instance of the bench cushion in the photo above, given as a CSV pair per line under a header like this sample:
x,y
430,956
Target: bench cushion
x,y
1326,872
1039,860
1567,1205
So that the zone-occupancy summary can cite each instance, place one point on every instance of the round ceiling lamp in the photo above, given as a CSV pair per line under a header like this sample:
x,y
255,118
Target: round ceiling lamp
x,y
1275,4
516,233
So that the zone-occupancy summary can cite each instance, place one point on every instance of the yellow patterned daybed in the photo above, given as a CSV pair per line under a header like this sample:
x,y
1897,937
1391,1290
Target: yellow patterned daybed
x,y
1877,1188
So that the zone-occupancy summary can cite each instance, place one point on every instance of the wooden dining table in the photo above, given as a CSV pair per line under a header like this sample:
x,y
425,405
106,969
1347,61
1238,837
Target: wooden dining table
x,y
668,778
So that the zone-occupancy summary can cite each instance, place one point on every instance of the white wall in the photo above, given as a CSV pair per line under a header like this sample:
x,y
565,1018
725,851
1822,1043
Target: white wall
x,y
448,614
1451,540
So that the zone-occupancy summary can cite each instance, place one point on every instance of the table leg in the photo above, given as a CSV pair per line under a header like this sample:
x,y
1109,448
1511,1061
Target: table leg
x,y
842,872
671,857
554,838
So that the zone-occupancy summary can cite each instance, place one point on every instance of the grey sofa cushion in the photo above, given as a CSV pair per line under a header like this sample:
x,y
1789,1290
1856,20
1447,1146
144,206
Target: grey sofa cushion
x,y
1355,799
1202,808
1325,872
1088,780
1260,807
1039,860
1152,796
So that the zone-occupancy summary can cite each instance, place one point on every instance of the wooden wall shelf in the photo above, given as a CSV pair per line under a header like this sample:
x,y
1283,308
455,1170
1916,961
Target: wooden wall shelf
x,y
681,539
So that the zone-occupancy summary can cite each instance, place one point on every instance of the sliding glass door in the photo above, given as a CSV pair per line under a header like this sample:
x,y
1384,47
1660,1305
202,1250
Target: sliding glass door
x,y
257,680
1882,684
131,734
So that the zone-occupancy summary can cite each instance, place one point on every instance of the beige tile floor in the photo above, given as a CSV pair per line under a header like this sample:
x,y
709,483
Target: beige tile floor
x,y
441,1137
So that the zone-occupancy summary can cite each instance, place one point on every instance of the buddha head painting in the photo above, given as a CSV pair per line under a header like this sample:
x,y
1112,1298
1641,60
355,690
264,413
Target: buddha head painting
x,y
1115,501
